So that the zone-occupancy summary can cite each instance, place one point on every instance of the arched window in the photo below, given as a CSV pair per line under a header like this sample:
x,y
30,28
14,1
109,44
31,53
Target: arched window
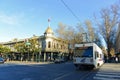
x,y
61,47
57,46
54,45
49,44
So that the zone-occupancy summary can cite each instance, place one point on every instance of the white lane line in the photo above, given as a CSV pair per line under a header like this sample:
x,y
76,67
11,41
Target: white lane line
x,y
102,78
64,75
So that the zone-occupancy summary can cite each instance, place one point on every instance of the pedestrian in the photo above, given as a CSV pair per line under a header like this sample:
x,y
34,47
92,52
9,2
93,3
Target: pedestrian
x,y
116,59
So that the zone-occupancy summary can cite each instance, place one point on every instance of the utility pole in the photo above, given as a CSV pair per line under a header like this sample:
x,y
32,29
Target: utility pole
x,y
84,35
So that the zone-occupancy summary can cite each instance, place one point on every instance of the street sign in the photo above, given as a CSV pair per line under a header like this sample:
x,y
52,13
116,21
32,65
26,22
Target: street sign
x,y
28,43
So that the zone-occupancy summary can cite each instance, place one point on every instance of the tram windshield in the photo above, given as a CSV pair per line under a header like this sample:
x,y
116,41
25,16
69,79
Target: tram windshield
x,y
83,52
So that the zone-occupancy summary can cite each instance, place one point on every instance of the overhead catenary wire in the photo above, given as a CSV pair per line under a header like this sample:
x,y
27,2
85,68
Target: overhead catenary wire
x,y
77,18
70,10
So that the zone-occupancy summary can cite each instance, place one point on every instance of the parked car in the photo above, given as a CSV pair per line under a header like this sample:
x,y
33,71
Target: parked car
x,y
59,60
2,60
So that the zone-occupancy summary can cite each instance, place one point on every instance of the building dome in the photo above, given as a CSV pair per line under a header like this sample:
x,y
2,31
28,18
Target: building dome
x,y
49,31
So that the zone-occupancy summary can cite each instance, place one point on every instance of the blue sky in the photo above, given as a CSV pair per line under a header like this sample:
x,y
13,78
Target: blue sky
x,y
25,18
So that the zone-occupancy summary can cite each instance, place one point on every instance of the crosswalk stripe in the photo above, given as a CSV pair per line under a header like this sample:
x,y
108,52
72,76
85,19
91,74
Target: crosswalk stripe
x,y
113,73
107,75
103,78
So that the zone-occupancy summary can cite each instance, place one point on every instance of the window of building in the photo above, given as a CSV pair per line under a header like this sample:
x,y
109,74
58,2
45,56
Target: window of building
x,y
54,45
49,44
57,45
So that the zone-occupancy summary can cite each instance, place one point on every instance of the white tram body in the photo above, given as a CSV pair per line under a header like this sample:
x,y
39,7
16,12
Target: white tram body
x,y
88,54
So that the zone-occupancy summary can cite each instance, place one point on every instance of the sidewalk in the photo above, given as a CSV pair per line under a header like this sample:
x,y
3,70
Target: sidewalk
x,y
111,66
26,62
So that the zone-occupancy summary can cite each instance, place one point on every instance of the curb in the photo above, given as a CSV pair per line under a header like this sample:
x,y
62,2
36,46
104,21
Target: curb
x,y
27,62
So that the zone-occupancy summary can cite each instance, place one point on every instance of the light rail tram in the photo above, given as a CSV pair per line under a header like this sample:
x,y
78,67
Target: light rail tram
x,y
88,55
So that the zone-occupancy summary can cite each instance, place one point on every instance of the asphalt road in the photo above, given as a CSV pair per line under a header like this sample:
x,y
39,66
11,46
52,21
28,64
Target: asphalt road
x,y
64,71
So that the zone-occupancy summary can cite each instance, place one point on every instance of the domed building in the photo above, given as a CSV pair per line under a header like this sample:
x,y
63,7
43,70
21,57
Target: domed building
x,y
53,47
49,32
50,47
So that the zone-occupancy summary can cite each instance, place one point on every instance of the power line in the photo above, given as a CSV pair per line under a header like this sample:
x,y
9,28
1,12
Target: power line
x,y
70,10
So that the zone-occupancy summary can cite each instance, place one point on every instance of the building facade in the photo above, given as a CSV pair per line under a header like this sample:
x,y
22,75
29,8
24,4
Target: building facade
x,y
50,47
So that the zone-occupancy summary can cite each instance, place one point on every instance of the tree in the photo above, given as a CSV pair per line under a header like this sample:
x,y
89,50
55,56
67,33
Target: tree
x,y
79,33
75,34
112,52
29,46
21,48
1,48
90,30
65,32
34,47
107,25
93,33
4,50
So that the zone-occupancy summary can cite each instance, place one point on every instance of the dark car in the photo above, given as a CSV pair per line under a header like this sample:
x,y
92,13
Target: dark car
x,y
2,60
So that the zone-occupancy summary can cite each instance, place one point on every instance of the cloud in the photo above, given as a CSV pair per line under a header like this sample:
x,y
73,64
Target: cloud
x,y
9,19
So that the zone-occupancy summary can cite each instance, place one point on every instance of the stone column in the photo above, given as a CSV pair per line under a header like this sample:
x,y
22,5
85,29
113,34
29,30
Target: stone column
x,y
52,56
44,57
39,56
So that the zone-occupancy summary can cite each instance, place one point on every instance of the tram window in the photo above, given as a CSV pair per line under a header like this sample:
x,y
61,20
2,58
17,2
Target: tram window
x,y
100,55
49,44
96,54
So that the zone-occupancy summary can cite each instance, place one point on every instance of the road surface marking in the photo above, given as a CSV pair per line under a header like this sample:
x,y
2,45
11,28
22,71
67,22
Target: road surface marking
x,y
107,75
27,79
102,78
63,76
113,73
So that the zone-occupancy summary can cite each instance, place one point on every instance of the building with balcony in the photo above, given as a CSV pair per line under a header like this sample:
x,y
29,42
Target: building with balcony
x,y
50,47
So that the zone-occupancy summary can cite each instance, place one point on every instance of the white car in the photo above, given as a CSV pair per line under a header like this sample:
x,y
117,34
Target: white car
x,y
59,60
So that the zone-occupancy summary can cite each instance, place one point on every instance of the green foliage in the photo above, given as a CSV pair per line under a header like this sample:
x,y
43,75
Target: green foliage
x,y
4,49
32,45
21,47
